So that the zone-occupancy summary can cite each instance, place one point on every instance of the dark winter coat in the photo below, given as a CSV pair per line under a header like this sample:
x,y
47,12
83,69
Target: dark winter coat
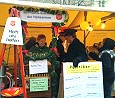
x,y
30,43
107,58
60,49
76,52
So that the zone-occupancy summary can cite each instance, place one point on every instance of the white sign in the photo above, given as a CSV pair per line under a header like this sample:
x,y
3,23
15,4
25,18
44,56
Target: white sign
x,y
13,32
41,17
39,66
84,81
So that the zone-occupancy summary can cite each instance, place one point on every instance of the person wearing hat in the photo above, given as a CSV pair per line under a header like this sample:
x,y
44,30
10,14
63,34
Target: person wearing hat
x,y
60,49
61,52
60,46
76,50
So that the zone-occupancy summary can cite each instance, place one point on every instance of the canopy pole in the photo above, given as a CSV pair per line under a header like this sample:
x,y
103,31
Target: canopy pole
x,y
2,54
85,19
84,38
22,72
15,65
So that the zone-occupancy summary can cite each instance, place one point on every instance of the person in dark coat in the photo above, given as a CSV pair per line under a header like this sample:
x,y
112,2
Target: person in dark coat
x,y
31,42
60,47
76,50
106,55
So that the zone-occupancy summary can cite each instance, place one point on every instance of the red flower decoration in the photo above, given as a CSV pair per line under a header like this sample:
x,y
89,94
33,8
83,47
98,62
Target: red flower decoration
x,y
26,52
56,51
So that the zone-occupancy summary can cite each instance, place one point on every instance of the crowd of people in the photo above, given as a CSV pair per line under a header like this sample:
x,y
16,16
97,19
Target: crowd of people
x,y
103,51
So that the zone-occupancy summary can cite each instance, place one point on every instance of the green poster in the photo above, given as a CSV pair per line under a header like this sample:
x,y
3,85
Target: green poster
x,y
39,84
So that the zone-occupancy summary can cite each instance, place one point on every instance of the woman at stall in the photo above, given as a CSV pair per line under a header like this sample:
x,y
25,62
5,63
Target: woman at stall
x,y
39,52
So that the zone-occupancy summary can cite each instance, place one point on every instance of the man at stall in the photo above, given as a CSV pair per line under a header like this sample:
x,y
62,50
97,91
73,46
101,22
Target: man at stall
x,y
76,50
60,47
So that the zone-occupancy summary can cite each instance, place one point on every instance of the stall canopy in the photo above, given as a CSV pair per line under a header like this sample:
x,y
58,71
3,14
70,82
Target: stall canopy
x,y
77,15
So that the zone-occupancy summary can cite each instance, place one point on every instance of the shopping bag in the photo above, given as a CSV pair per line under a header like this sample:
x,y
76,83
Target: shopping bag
x,y
12,32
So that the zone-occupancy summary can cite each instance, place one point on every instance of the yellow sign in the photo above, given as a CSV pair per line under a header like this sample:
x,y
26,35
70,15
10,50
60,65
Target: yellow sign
x,y
83,69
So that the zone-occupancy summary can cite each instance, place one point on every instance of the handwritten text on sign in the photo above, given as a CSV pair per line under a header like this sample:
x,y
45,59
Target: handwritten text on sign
x,y
84,81
13,32
39,66
39,84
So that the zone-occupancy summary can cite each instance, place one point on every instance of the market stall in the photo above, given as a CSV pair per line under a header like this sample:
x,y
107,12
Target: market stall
x,y
29,14
95,34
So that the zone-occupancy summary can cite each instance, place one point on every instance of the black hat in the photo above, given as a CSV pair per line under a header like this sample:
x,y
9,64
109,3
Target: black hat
x,y
62,33
70,31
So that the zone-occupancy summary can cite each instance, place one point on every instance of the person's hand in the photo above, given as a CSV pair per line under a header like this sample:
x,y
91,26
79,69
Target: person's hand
x,y
79,59
76,62
49,65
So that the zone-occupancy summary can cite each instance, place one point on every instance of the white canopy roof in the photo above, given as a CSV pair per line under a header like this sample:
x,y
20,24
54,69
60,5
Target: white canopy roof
x,y
58,6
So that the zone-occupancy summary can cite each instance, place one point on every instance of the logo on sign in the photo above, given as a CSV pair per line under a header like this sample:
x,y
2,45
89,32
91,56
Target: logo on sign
x,y
58,17
12,23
